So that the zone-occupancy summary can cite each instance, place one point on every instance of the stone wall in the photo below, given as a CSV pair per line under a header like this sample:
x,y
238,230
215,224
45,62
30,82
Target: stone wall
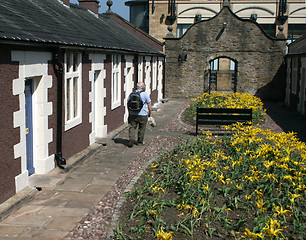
x,y
158,27
258,56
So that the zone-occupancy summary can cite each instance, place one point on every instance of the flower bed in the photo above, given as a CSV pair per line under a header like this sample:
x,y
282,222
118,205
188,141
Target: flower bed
x,y
247,185
227,100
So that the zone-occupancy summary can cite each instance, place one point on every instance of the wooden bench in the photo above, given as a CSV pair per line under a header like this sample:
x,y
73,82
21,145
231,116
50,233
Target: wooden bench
x,y
222,116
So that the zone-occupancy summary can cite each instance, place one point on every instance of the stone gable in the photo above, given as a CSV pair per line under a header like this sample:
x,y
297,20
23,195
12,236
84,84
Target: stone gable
x,y
258,57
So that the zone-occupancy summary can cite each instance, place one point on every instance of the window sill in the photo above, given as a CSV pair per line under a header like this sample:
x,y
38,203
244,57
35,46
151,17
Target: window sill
x,y
115,105
72,123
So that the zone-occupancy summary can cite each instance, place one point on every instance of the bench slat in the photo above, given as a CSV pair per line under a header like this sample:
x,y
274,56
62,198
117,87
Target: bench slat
x,y
224,110
225,117
222,116
217,122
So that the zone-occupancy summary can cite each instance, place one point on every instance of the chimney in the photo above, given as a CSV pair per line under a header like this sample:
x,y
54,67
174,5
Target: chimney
x,y
92,5
66,2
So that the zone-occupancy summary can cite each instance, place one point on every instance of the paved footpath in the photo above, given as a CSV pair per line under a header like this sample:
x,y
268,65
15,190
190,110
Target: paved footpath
x,y
55,202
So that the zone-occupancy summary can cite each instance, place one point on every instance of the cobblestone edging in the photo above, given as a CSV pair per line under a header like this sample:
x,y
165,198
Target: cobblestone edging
x,y
122,199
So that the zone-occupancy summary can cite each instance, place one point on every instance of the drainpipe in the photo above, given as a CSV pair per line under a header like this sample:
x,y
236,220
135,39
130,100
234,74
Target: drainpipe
x,y
136,70
58,70
164,77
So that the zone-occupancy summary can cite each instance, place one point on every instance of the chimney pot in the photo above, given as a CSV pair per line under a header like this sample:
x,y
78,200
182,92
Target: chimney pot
x,y
92,5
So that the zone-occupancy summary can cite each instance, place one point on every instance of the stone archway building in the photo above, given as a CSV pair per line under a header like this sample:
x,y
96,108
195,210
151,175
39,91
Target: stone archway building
x,y
258,57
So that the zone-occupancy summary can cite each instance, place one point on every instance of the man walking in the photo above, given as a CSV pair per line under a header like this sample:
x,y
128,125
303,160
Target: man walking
x,y
138,114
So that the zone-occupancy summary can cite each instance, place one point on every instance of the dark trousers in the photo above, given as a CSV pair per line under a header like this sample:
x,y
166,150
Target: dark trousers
x,y
140,122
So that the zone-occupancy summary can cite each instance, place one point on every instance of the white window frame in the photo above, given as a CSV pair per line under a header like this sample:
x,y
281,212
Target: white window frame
x,y
116,81
73,79
140,69
154,74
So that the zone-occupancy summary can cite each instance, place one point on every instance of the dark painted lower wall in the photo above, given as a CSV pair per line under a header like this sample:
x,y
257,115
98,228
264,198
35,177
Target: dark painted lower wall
x,y
9,167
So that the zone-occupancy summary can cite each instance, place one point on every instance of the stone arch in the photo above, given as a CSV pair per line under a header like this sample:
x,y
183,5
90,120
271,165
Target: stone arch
x,y
198,8
223,74
255,8
297,10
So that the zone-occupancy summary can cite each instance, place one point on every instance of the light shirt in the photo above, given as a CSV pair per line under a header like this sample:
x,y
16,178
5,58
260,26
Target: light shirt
x,y
145,99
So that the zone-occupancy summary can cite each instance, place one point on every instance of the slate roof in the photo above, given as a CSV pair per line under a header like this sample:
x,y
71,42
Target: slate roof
x,y
51,22
298,47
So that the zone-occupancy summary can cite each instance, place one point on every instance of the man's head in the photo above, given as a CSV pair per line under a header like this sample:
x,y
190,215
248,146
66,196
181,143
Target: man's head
x,y
141,86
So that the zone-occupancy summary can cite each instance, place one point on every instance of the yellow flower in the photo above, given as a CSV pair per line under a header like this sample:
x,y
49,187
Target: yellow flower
x,y
294,196
153,213
248,197
155,189
301,187
184,206
206,188
154,165
163,235
252,235
259,194
271,175
280,211
238,186
195,212
273,229
260,203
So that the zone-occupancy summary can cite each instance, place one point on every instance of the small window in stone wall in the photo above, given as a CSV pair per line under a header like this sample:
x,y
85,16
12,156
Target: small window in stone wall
x,y
214,65
181,29
222,75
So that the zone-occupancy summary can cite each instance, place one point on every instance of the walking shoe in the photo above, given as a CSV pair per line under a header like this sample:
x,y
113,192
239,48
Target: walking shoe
x,y
130,144
141,143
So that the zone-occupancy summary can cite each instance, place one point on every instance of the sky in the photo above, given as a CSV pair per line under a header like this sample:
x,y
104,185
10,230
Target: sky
x,y
118,7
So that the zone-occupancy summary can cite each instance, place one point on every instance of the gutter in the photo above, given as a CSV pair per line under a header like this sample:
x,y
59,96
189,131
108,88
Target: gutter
x,y
58,70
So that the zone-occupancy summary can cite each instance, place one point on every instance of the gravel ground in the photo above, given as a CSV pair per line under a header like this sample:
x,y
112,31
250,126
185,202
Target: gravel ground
x,y
96,224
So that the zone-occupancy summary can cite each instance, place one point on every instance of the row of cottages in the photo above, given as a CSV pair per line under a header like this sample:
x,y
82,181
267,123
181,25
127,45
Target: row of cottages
x,y
66,72
296,76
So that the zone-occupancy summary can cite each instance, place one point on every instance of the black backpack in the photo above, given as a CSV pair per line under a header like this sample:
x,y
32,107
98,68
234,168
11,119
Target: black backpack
x,y
135,102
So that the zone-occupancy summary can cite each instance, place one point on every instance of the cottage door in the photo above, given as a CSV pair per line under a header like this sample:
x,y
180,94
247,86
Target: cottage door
x,y
29,125
98,105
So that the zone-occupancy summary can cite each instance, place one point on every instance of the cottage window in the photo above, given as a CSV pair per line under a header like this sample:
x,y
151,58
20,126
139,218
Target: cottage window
x,y
116,81
154,80
73,90
140,69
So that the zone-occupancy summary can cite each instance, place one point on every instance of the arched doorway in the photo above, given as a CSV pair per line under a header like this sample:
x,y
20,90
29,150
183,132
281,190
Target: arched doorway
x,y
223,74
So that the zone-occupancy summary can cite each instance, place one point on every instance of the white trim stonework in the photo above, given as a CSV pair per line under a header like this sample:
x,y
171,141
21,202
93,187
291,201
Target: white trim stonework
x,y
97,96
128,84
140,68
33,65
159,80
147,74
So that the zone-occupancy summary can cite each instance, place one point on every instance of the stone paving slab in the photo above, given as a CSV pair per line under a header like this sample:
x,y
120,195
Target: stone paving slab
x,y
46,234
64,223
57,201
12,231
26,220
